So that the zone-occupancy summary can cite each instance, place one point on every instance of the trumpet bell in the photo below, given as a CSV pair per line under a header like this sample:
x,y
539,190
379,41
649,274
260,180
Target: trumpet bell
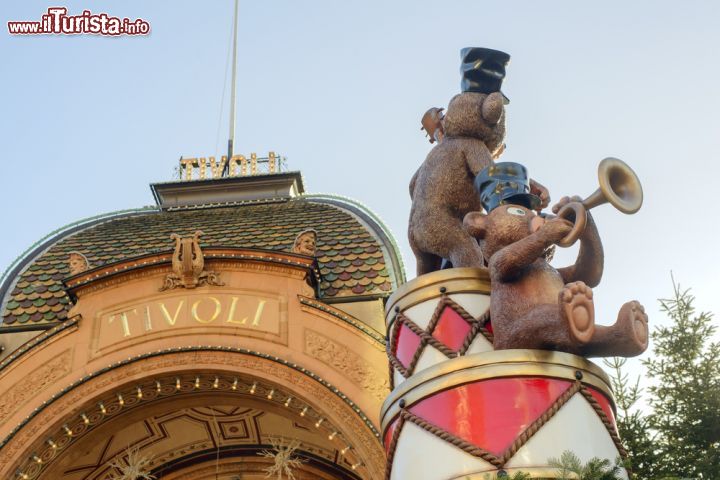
x,y
619,185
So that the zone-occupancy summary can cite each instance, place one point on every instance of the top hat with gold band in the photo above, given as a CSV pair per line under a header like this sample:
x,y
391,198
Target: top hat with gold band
x,y
483,70
505,183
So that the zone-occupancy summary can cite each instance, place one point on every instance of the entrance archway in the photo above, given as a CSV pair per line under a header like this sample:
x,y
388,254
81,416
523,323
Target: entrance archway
x,y
178,409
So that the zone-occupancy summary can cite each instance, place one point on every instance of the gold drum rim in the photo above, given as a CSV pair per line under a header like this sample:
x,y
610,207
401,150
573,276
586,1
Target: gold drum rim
x,y
426,287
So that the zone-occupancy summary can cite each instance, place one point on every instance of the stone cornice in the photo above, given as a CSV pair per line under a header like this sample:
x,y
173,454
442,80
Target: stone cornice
x,y
99,277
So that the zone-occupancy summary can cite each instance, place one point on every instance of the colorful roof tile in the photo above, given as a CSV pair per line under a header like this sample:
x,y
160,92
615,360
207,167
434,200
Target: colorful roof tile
x,y
353,259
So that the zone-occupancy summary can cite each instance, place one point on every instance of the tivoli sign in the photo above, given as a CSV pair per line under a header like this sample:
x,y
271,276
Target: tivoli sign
x,y
176,312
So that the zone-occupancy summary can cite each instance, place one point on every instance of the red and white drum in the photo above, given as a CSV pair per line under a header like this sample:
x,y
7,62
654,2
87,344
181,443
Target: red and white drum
x,y
436,317
510,410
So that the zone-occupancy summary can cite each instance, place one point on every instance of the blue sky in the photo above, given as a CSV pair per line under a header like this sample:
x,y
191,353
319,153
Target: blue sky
x,y
339,88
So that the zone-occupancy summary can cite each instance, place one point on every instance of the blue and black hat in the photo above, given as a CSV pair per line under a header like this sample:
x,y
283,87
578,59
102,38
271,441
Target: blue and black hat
x,y
483,70
505,183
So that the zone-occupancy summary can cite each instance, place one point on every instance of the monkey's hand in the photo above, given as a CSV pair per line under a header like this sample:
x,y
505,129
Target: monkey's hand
x,y
590,228
564,201
555,229
542,192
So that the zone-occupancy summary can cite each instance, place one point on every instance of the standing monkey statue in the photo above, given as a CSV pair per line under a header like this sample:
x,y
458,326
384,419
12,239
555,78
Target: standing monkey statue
x,y
470,136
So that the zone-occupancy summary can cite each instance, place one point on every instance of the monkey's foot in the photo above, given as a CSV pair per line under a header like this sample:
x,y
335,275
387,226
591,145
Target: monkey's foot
x,y
633,322
577,307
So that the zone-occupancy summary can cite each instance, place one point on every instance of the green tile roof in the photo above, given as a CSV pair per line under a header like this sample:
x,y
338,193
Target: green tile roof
x,y
351,257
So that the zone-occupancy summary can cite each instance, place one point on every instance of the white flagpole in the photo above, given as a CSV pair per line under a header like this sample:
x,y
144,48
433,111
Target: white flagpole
x,y
231,137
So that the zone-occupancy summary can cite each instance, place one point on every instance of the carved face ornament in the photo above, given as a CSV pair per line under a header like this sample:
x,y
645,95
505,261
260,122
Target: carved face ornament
x,y
77,263
305,243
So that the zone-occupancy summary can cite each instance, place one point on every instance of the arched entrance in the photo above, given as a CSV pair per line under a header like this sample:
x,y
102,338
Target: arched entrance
x,y
196,397
192,407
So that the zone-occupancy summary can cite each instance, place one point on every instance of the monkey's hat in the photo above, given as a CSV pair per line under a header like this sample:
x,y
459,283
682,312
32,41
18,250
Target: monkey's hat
x,y
483,70
505,183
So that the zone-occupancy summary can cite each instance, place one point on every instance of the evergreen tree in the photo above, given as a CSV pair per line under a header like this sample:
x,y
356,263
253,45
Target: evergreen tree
x,y
680,437
569,467
684,394
632,425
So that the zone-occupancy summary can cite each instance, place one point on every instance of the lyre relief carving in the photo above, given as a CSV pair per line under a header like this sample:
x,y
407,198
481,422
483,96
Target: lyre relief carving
x,y
188,264
78,263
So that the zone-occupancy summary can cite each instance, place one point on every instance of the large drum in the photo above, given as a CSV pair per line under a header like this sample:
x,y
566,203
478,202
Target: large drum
x,y
509,410
436,317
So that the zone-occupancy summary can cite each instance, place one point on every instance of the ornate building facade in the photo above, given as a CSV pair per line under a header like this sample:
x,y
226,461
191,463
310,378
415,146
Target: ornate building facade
x,y
236,326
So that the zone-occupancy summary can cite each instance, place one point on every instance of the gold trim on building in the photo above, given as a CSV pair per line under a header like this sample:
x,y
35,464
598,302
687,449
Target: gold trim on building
x,y
212,254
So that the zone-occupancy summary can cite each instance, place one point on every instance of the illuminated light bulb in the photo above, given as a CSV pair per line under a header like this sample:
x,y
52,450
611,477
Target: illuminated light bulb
x,y
304,411
344,450
253,387
355,466
37,459
177,384
319,422
158,387
67,430
234,384
332,435
139,393
216,383
121,400
287,402
102,408
270,394
85,419
52,444
197,382
22,475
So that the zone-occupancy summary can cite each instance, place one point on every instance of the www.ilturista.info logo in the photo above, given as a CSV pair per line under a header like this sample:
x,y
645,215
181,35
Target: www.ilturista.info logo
x,y
57,22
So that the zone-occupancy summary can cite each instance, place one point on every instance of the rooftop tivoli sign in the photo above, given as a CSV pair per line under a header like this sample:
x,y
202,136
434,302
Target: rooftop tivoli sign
x,y
239,166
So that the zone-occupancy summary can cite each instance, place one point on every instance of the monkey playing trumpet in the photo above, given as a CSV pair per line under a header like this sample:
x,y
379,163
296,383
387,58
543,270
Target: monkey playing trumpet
x,y
532,304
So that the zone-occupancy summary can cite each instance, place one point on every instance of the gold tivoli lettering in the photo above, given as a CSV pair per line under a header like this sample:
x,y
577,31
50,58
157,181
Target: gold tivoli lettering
x,y
124,321
214,315
228,167
171,320
241,310
243,321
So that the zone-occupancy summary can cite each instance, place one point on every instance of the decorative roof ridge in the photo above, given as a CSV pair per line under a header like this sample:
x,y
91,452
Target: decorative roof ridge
x,y
11,273
202,206
360,208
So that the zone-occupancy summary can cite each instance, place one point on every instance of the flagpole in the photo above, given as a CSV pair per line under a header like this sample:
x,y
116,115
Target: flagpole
x,y
231,137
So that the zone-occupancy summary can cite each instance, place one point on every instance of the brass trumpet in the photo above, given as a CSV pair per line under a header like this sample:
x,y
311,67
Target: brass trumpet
x,y
619,186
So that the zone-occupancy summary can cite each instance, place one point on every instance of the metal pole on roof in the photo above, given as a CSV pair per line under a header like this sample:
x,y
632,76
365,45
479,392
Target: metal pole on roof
x,y
231,137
